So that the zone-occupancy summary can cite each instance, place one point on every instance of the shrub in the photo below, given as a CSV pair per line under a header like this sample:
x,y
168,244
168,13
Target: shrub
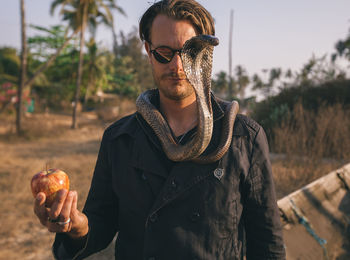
x,y
314,134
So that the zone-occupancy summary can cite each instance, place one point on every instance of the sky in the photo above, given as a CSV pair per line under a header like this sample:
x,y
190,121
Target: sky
x,y
266,34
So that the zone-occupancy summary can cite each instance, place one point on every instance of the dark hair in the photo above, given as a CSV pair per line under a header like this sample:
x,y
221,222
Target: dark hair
x,y
189,10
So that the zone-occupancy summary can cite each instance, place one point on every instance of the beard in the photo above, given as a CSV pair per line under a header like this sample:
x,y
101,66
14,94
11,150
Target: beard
x,y
173,86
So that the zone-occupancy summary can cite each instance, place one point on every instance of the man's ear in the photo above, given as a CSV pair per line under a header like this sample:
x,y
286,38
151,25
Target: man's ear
x,y
148,50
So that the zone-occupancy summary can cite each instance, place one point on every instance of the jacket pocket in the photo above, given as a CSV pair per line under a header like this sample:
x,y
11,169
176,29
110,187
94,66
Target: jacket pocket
x,y
220,209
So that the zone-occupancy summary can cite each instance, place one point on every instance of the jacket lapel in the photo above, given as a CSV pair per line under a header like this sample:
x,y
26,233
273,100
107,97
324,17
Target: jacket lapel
x,y
183,176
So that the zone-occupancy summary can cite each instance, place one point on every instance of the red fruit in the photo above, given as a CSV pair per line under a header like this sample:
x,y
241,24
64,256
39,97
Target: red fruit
x,y
49,182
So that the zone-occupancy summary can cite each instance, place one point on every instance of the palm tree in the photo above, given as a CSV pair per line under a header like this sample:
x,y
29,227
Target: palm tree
x,y
23,69
79,14
220,84
96,69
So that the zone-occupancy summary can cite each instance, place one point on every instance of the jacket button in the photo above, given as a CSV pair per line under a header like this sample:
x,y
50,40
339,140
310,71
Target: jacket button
x,y
195,216
144,177
153,218
174,184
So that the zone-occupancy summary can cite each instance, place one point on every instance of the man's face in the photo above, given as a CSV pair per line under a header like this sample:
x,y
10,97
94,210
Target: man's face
x,y
170,78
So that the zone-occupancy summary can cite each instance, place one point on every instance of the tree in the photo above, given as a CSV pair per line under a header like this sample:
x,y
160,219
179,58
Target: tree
x,y
51,58
51,38
220,84
79,14
132,47
242,79
54,86
342,48
130,73
9,65
230,82
275,75
267,88
23,70
96,69
317,71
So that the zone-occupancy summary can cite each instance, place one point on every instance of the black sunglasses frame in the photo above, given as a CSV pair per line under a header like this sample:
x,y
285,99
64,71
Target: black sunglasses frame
x,y
164,60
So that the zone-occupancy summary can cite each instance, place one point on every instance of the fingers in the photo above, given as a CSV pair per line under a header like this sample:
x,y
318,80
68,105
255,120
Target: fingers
x,y
58,204
63,213
80,226
74,205
39,208
61,210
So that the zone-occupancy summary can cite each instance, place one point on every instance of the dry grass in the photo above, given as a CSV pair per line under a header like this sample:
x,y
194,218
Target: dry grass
x,y
292,174
21,235
315,135
312,144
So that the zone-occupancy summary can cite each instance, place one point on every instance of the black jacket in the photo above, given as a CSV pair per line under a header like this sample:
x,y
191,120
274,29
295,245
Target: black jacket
x,y
180,210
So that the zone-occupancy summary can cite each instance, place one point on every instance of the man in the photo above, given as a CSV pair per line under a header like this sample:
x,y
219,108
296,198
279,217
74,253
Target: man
x,y
183,208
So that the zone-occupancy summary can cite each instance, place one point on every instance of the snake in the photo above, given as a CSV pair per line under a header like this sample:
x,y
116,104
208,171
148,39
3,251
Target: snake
x,y
197,58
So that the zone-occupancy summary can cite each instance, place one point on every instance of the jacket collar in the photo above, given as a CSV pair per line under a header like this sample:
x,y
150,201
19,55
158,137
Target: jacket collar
x,y
145,155
128,125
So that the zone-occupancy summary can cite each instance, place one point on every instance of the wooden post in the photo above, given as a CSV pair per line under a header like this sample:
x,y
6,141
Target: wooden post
x,y
23,70
230,83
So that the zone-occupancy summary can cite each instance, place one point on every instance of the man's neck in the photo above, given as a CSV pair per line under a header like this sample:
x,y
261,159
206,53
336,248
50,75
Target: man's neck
x,y
180,114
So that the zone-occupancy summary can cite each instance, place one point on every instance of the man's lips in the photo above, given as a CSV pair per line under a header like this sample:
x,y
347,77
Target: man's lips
x,y
175,77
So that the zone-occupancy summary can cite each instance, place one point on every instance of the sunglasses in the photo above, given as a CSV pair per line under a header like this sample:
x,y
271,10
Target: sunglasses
x,y
164,54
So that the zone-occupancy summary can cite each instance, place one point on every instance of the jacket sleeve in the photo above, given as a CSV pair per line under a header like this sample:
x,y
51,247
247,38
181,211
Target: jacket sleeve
x,y
262,221
101,208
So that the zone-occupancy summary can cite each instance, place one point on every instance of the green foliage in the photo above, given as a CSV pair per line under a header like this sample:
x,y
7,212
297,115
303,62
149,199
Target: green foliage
x,y
342,48
128,74
124,79
132,73
98,12
55,85
220,84
43,45
132,47
9,63
242,80
239,82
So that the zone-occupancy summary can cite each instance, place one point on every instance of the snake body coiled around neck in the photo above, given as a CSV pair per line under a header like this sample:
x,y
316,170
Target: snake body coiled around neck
x,y
196,56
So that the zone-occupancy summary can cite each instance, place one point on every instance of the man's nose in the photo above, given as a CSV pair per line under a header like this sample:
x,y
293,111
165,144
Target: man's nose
x,y
176,62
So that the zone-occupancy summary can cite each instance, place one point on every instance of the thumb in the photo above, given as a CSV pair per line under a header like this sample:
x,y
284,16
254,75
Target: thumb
x,y
40,198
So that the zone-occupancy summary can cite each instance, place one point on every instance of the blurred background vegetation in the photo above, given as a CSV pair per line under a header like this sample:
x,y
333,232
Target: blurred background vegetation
x,y
65,70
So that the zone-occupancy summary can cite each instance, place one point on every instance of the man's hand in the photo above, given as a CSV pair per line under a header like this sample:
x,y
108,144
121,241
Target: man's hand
x,y
63,216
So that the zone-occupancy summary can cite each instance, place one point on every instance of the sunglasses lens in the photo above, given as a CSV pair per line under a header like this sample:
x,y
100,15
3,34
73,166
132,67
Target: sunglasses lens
x,y
163,54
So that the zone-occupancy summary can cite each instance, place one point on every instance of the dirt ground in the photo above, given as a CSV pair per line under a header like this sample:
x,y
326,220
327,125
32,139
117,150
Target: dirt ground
x,y
74,151
48,142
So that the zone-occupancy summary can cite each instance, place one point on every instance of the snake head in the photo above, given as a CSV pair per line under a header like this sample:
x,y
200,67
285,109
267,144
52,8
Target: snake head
x,y
197,58
196,45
